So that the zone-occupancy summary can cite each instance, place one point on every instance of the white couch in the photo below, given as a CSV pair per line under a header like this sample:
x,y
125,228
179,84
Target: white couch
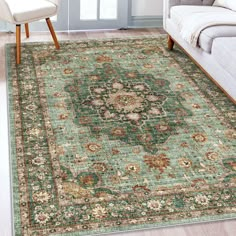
x,y
215,53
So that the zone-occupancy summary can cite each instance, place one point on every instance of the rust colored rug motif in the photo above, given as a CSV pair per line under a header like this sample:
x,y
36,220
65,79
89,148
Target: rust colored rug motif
x,y
116,135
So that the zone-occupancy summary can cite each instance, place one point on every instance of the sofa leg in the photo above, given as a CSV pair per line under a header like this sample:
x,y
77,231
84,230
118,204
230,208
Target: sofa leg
x,y
170,43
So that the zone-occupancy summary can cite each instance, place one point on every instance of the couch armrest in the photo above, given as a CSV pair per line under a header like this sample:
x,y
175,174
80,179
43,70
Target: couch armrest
x,y
170,3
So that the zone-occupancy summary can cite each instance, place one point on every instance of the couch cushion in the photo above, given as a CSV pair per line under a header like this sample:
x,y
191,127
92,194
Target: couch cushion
x,y
230,4
179,13
30,10
224,51
209,34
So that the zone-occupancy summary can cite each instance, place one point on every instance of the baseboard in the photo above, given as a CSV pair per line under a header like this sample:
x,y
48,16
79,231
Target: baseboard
x,y
146,22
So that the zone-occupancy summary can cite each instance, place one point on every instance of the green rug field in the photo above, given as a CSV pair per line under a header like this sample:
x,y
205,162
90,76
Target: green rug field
x,y
115,135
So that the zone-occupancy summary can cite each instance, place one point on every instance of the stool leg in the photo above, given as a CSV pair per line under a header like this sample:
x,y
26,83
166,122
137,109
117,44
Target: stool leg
x,y
18,42
52,33
27,30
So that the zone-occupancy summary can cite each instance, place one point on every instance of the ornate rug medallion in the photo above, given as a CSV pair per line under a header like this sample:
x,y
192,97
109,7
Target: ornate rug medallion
x,y
117,135
127,106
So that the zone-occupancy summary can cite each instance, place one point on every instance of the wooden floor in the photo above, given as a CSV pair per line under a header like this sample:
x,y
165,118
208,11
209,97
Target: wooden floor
x,y
223,228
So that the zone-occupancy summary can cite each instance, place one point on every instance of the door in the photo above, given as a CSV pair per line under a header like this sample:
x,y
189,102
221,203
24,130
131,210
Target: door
x,y
98,14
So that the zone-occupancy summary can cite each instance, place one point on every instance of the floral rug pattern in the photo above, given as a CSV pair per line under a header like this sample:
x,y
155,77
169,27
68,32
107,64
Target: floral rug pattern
x,y
117,134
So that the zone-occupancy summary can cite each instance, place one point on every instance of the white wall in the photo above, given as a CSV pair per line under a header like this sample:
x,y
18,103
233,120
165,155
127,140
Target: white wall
x,y
147,7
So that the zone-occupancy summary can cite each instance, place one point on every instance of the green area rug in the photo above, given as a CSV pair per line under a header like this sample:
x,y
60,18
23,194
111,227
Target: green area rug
x,y
115,135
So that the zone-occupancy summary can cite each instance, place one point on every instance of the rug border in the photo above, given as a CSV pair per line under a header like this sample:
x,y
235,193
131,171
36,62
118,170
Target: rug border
x,y
134,229
15,209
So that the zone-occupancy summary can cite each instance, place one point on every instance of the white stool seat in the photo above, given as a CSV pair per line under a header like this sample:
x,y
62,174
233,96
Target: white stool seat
x,y
31,10
24,11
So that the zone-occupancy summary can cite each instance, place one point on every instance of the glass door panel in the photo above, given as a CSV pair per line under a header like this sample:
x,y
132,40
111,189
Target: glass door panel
x,y
97,14
88,9
108,9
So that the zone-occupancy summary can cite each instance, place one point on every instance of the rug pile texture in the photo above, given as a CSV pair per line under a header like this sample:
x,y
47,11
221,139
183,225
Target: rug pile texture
x,y
115,135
